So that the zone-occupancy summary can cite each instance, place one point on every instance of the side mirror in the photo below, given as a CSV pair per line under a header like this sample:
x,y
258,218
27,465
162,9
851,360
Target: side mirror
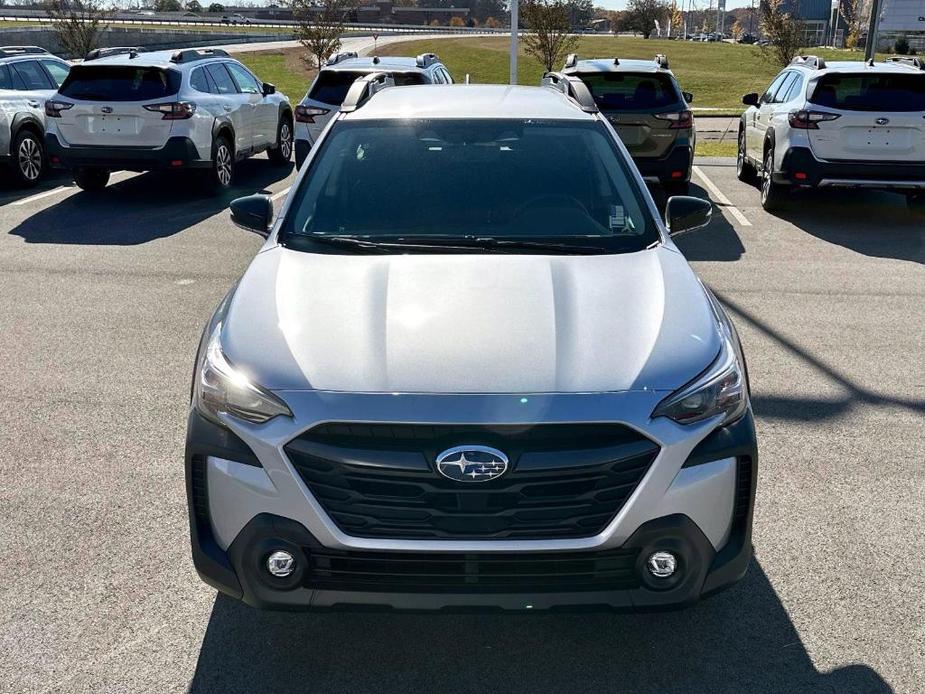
x,y
268,89
253,213
750,99
684,213
688,97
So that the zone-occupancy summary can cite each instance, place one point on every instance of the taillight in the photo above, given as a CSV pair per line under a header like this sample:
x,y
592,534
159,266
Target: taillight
x,y
53,108
306,114
678,119
174,110
809,120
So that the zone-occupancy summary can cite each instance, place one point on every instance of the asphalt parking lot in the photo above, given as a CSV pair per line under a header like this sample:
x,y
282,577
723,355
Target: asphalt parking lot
x,y
102,300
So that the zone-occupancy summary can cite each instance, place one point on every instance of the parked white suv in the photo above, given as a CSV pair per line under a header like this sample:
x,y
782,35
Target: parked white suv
x,y
189,109
844,124
340,71
29,75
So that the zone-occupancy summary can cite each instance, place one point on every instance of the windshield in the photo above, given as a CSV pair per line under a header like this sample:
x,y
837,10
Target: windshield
x,y
629,91
332,85
561,182
871,92
120,83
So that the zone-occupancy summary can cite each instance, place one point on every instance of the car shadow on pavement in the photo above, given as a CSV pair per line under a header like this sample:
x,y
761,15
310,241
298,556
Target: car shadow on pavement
x,y
10,193
142,208
718,241
738,641
872,223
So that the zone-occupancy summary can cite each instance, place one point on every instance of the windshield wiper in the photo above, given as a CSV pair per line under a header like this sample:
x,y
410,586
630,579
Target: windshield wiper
x,y
462,244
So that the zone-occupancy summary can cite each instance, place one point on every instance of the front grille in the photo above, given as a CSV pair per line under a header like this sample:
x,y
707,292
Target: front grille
x,y
472,573
566,481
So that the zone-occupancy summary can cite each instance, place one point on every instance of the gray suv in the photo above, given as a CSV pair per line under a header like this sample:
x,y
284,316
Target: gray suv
x,y
470,368
649,111
29,76
329,89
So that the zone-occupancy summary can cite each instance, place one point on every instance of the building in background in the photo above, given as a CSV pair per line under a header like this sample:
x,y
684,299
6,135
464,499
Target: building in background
x,y
901,18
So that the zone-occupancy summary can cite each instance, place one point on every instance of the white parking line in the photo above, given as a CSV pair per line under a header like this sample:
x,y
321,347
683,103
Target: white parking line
x,y
280,194
721,199
40,196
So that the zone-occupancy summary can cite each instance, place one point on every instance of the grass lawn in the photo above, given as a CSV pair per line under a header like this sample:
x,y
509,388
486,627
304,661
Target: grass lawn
x,y
718,74
284,68
709,148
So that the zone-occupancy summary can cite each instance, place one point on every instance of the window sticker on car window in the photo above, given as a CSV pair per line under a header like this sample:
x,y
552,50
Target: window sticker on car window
x,y
617,218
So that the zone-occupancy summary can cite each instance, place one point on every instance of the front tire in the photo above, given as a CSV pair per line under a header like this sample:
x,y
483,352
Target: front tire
x,y
282,153
221,174
772,194
745,172
91,179
28,158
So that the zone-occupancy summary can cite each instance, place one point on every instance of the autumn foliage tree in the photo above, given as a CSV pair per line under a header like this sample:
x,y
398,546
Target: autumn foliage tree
x,y
548,38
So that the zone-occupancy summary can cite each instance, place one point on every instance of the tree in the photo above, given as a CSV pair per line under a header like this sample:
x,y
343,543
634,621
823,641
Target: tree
x,y
167,6
492,23
548,39
457,22
216,7
855,18
194,6
580,13
321,23
785,32
737,30
675,18
641,15
77,24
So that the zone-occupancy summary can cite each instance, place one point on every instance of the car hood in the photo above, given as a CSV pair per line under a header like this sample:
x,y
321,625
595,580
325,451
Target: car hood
x,y
482,323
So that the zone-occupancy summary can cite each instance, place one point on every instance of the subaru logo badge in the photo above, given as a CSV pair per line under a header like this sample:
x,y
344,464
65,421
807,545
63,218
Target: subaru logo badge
x,y
883,121
472,463
106,109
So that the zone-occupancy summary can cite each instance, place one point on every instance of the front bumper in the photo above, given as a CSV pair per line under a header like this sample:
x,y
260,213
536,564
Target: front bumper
x,y
801,168
698,506
177,153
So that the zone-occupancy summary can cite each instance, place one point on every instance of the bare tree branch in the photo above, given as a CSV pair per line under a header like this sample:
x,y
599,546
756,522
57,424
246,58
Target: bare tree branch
x,y
548,23
321,23
78,24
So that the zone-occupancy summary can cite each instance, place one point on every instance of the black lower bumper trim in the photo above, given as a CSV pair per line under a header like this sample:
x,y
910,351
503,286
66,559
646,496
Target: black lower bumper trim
x,y
800,160
302,148
176,149
679,159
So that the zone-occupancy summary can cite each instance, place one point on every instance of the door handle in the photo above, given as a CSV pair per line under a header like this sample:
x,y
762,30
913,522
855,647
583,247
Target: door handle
x,y
226,107
33,103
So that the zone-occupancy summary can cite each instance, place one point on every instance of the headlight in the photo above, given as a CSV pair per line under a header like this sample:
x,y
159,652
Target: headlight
x,y
721,389
220,388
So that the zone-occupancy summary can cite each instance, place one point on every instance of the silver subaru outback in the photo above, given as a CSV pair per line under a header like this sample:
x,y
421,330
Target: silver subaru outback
x,y
470,368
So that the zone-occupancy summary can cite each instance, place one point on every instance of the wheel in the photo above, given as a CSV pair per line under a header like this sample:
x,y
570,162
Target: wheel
x,y
222,172
28,158
677,188
772,194
744,170
91,179
282,153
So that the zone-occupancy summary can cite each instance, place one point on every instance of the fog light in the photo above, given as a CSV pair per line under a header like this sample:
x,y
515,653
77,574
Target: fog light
x,y
280,563
662,564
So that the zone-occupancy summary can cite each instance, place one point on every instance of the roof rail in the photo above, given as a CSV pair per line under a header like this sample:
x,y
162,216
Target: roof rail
x,y
97,53
810,61
12,51
573,88
338,57
661,60
363,89
909,60
191,54
571,60
426,59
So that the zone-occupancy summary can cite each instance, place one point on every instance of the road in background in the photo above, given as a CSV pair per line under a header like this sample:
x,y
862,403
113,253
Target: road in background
x,y
102,300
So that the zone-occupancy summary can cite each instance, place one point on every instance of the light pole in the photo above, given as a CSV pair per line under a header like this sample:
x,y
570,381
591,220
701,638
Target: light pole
x,y
514,40
870,49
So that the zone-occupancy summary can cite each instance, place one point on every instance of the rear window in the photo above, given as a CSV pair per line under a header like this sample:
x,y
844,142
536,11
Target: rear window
x,y
631,92
871,92
119,83
332,85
